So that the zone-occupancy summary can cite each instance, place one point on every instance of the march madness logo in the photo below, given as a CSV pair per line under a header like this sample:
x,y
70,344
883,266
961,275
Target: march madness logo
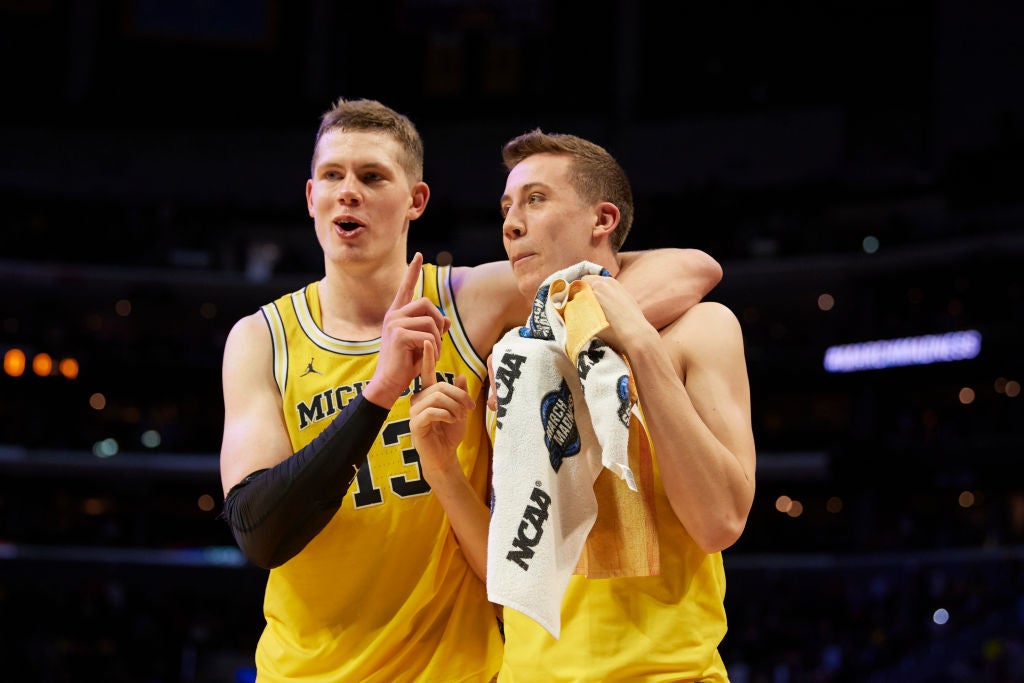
x,y
561,435
625,405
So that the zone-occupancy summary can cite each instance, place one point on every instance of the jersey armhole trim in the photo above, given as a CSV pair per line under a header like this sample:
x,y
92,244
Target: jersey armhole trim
x,y
457,332
280,343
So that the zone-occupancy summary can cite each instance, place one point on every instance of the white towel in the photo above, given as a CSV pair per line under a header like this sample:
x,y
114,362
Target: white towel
x,y
550,445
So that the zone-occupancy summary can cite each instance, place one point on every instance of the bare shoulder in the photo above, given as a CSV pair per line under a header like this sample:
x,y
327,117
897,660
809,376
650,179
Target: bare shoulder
x,y
710,313
248,342
249,329
706,329
488,301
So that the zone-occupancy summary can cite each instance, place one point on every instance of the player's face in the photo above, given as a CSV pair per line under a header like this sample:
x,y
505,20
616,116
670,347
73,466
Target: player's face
x,y
547,225
360,198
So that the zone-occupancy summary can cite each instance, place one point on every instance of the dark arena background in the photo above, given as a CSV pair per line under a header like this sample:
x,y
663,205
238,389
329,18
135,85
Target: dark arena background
x,y
856,167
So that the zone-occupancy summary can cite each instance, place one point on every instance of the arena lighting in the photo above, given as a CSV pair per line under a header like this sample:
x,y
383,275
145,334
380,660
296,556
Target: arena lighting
x,y
890,353
16,362
42,364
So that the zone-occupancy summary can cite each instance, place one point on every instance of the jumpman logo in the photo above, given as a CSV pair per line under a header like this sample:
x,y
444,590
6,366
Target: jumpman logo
x,y
309,369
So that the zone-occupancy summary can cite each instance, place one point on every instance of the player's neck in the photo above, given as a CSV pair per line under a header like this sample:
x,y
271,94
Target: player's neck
x,y
353,302
607,260
612,264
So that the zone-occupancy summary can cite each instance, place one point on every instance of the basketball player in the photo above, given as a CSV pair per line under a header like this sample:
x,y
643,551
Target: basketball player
x,y
367,581
567,200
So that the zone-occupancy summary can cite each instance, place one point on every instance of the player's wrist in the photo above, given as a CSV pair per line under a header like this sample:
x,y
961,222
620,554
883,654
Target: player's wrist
x,y
383,393
642,339
443,468
445,479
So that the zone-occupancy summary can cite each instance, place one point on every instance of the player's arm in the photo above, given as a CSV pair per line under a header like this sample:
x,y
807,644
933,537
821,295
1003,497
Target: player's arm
x,y
708,450
255,436
437,421
276,500
666,282
695,395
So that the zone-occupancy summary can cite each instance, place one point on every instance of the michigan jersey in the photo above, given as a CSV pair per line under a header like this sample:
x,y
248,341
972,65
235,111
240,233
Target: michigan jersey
x,y
645,628
383,592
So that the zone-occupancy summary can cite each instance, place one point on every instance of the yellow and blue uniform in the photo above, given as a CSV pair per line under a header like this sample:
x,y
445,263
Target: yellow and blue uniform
x,y
638,629
383,592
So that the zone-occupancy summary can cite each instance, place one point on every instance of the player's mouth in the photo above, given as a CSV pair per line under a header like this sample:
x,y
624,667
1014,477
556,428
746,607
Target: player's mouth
x,y
516,259
346,226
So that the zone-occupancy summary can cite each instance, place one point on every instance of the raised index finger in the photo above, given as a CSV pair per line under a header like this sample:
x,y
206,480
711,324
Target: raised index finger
x,y
408,286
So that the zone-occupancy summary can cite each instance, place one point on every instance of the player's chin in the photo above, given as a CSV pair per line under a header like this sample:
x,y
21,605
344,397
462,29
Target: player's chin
x,y
528,281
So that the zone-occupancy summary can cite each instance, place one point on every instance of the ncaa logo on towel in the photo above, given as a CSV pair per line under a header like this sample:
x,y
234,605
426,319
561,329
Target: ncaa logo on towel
x,y
560,433
504,382
589,357
531,528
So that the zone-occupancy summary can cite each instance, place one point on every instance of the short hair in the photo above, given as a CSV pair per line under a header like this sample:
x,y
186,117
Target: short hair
x,y
594,173
371,115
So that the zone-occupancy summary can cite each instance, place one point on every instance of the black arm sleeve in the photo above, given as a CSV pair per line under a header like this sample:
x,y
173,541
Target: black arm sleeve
x,y
273,513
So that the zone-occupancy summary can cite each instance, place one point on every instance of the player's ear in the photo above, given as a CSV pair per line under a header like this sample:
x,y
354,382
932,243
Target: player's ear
x,y
606,219
309,197
420,197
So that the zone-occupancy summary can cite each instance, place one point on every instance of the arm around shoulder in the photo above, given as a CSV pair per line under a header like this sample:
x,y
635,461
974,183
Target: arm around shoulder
x,y
489,302
668,281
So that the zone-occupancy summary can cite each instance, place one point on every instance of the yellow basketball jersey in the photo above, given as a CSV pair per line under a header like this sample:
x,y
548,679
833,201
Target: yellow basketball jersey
x,y
636,629
383,592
